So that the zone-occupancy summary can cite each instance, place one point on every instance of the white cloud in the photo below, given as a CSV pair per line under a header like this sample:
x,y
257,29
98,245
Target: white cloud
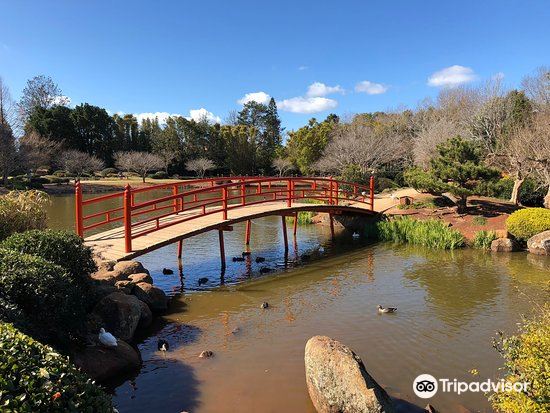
x,y
202,114
303,67
306,104
260,97
452,76
61,100
371,88
161,116
320,89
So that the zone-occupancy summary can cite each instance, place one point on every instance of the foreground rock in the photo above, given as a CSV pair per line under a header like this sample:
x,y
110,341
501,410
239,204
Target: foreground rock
x,y
504,245
539,244
102,363
337,380
153,296
120,313
126,268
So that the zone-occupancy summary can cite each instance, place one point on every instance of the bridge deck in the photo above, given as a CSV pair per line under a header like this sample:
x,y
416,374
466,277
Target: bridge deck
x,y
109,245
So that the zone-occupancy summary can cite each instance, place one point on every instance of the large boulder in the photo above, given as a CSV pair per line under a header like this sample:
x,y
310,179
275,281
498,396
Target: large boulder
x,y
120,313
146,317
126,268
504,245
102,363
108,277
337,380
140,278
539,244
153,296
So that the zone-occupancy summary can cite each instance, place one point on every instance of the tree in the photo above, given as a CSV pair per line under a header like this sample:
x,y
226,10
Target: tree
x,y
306,145
282,165
95,131
240,142
459,165
200,166
139,162
57,124
8,108
41,92
430,136
37,151
78,163
537,87
8,152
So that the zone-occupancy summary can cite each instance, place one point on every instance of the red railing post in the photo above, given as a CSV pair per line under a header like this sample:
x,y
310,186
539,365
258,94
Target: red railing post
x,y
330,201
175,202
78,209
289,189
224,202
336,188
243,192
128,218
371,185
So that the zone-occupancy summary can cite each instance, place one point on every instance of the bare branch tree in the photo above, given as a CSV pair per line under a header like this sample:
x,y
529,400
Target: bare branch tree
x,y
9,110
78,163
537,87
431,135
282,165
37,151
139,162
41,91
200,166
168,156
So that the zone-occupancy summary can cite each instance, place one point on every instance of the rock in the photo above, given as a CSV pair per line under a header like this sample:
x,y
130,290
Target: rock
x,y
126,286
504,245
539,244
120,313
430,409
142,277
153,296
102,363
337,380
108,277
97,292
105,265
127,268
206,354
146,317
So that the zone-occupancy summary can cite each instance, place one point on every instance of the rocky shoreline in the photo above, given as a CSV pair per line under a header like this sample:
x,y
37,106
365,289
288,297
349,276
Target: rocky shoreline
x,y
125,301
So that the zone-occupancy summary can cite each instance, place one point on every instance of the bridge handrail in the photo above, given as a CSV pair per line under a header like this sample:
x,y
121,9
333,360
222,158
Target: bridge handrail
x,y
325,189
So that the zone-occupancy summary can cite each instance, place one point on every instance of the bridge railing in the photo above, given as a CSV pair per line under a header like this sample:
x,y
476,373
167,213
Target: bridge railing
x,y
190,200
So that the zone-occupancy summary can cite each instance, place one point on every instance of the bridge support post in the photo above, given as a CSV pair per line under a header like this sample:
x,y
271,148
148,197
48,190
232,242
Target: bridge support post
x,y
180,248
285,235
247,232
295,229
371,187
222,249
331,220
128,218
78,209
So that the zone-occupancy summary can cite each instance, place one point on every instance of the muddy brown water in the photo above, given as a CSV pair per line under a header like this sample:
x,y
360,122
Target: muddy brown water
x,y
450,306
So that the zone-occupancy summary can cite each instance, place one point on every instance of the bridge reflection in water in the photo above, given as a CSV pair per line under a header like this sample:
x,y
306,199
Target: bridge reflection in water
x,y
149,222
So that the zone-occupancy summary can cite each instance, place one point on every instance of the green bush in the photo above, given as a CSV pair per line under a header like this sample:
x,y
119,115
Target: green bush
x,y
34,378
527,358
108,172
21,211
429,233
530,194
423,181
60,174
63,248
479,220
304,217
51,299
381,184
483,239
159,175
525,223
53,179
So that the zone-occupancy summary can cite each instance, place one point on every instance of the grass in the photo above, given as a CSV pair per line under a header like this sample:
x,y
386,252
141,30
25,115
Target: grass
x,y
479,221
428,233
483,239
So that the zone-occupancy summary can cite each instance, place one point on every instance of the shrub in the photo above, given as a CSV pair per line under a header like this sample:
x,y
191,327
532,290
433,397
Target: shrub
x,y
525,223
479,220
527,358
430,204
429,233
34,378
304,217
159,175
53,179
21,211
530,194
108,172
51,300
381,184
483,239
60,174
63,248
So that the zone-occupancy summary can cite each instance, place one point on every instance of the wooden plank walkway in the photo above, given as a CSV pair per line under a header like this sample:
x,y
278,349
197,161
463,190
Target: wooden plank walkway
x,y
109,245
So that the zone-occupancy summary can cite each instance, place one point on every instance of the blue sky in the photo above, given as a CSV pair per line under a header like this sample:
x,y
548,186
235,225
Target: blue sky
x,y
180,56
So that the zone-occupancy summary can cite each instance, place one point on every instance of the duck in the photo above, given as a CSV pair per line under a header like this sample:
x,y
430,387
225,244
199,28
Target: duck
x,y
264,305
265,270
206,354
364,193
203,280
260,259
321,250
245,253
107,339
167,271
235,259
355,235
162,345
385,310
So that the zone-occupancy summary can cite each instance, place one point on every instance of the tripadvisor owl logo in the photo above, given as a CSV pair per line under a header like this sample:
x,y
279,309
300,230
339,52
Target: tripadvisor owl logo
x,y
425,386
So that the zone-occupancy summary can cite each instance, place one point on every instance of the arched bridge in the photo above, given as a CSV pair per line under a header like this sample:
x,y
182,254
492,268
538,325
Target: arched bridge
x,y
127,224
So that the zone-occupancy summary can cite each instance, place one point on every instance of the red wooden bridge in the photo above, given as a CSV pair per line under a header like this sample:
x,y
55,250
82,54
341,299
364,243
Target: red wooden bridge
x,y
129,223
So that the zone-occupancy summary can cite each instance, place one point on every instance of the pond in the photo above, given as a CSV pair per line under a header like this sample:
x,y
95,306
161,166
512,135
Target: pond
x,y
450,306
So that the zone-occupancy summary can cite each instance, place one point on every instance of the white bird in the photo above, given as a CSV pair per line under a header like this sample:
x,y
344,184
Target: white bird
x,y
107,339
321,250
364,193
355,235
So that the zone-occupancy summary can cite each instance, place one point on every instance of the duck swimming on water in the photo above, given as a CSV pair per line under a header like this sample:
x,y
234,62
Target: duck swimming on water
x,y
385,310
